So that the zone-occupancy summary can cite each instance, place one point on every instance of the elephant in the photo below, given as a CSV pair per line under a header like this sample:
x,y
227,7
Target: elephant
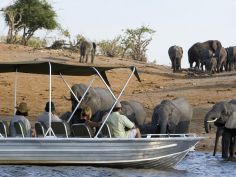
x,y
221,62
170,116
175,54
211,65
196,52
100,101
207,59
223,114
231,58
87,48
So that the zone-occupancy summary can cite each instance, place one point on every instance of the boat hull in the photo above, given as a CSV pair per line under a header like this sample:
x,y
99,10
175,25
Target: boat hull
x,y
141,153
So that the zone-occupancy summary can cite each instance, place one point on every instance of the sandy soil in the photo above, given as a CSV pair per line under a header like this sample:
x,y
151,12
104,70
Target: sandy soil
x,y
158,83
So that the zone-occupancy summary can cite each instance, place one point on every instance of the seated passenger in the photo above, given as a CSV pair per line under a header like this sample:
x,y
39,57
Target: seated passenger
x,y
21,113
44,117
119,123
86,115
76,118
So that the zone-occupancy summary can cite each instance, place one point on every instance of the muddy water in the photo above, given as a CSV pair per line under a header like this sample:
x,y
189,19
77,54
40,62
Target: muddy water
x,y
195,164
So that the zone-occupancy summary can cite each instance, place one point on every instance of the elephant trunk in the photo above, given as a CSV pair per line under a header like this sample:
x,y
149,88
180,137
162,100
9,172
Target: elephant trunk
x,y
210,117
163,126
218,134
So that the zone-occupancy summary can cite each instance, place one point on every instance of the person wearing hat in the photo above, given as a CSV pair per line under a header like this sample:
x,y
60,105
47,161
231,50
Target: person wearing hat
x,y
20,115
44,117
119,123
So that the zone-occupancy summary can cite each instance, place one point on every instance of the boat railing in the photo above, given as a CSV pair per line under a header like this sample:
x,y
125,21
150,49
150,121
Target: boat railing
x,y
169,135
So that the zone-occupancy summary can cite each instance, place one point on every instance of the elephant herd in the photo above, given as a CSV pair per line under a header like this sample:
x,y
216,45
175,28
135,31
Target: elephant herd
x,y
210,54
168,117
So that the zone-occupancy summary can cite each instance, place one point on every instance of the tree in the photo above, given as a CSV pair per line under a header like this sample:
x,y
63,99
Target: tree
x,y
35,14
111,48
13,19
135,42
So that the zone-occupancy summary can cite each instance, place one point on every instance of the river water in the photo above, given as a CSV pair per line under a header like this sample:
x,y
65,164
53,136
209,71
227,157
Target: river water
x,y
194,164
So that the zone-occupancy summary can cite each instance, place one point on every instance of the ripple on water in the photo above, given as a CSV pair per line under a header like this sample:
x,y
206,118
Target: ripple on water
x,y
194,164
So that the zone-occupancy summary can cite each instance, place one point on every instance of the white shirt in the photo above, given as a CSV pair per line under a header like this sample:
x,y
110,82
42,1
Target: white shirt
x,y
44,117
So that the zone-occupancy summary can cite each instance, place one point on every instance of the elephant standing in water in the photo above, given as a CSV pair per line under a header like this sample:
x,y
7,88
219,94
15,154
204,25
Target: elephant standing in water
x,y
202,51
223,114
100,101
170,117
87,48
175,54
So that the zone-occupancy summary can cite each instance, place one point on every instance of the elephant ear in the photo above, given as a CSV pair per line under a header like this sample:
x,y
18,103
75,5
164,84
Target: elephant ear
x,y
214,45
231,122
174,116
227,110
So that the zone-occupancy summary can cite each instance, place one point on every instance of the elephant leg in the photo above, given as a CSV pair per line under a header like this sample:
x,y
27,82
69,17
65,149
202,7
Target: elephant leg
x,y
86,59
226,140
174,64
197,64
191,64
234,145
218,134
231,148
182,127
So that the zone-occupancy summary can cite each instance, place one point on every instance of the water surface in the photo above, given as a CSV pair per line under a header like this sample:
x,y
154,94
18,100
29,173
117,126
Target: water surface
x,y
194,164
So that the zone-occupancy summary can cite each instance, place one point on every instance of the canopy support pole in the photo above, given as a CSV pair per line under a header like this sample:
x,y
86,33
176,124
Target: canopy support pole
x,y
95,69
50,131
69,87
100,128
15,92
79,102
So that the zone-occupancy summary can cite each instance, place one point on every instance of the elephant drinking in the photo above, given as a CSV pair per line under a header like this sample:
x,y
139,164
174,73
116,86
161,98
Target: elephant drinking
x,y
170,116
223,114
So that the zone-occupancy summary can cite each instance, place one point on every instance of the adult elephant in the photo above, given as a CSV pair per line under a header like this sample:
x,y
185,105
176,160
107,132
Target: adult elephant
x,y
195,51
175,54
223,114
231,58
221,62
87,48
100,101
170,116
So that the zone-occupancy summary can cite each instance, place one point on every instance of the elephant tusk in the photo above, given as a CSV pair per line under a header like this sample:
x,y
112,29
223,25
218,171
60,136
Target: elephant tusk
x,y
210,121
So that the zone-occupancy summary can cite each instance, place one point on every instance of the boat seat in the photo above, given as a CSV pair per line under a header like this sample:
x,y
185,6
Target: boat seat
x,y
20,129
3,129
60,129
81,130
106,131
40,129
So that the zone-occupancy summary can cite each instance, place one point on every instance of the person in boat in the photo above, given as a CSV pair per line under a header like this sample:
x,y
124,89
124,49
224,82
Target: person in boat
x,y
76,118
20,116
44,117
119,123
86,115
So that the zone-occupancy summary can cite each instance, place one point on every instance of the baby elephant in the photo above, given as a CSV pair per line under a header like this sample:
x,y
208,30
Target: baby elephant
x,y
211,65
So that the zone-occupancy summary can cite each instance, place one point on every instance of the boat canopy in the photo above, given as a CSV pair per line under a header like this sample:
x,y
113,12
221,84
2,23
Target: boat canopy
x,y
41,67
49,67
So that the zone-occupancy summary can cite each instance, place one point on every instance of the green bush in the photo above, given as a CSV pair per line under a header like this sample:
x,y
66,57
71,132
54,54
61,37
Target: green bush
x,y
111,48
36,43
